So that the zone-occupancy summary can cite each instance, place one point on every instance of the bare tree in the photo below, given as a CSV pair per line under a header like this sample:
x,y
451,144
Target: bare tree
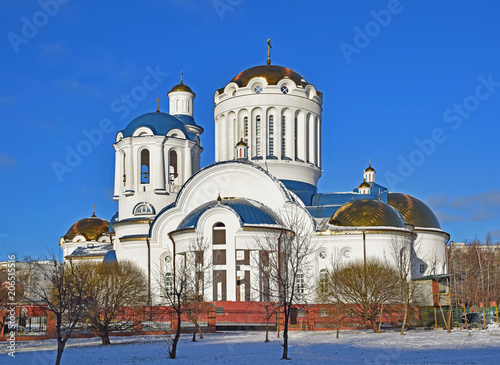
x,y
364,288
182,283
404,253
111,288
285,257
65,297
199,277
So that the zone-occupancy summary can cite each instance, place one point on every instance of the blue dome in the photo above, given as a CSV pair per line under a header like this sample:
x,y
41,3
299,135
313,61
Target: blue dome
x,y
159,123
187,119
110,257
248,211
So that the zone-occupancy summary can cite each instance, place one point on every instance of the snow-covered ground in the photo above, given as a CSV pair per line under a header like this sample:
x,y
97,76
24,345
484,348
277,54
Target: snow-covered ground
x,y
353,347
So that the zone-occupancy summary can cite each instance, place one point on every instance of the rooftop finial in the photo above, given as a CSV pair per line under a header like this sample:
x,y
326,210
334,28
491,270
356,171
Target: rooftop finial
x,y
218,197
93,210
370,161
181,78
157,105
269,51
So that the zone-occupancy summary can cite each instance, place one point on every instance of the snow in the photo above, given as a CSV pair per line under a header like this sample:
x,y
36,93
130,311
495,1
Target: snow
x,y
316,347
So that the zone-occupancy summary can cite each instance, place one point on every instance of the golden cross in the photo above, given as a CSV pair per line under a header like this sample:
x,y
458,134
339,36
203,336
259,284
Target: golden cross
x,y
181,77
157,105
269,51
93,210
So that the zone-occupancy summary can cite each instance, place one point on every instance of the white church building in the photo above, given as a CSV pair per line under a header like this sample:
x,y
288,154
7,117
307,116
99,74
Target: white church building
x,y
267,122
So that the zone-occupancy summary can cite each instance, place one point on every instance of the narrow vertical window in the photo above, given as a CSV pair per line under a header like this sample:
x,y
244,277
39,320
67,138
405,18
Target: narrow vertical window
x,y
124,170
145,166
245,122
283,136
271,135
219,234
172,169
300,283
257,133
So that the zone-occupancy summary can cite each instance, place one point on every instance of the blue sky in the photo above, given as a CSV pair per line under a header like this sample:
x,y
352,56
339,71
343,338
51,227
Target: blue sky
x,y
413,84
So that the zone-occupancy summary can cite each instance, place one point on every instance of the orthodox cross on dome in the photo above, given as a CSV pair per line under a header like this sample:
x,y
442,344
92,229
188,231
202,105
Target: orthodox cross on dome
x,y
93,210
218,197
181,77
269,51
157,105
370,161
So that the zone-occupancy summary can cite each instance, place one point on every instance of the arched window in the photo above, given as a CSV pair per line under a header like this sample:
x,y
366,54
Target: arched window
x,y
271,135
177,105
143,209
189,106
283,136
421,268
257,134
172,168
145,166
219,234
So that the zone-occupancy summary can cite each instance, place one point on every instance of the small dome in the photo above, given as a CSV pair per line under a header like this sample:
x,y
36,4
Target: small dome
x,y
241,143
367,212
91,228
160,123
181,87
273,74
364,184
414,211
370,168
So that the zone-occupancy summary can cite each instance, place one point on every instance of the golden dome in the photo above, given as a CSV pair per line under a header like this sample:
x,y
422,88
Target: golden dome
x,y
181,87
91,228
364,184
273,74
241,143
367,212
370,168
414,211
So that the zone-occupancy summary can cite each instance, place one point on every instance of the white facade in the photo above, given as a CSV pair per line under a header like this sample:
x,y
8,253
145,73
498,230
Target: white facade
x,y
267,160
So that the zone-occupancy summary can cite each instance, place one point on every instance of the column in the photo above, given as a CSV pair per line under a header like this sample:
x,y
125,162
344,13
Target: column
x,y
129,169
159,172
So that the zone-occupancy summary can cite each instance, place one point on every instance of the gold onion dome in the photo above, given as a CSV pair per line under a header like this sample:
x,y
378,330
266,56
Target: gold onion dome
x,y
91,228
364,184
272,73
181,87
370,168
241,143
366,213
414,211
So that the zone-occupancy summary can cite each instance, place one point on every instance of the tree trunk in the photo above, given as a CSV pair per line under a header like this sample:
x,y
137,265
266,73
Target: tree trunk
x,y
267,324
381,317
374,325
286,312
199,331
60,349
105,339
173,350
404,318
